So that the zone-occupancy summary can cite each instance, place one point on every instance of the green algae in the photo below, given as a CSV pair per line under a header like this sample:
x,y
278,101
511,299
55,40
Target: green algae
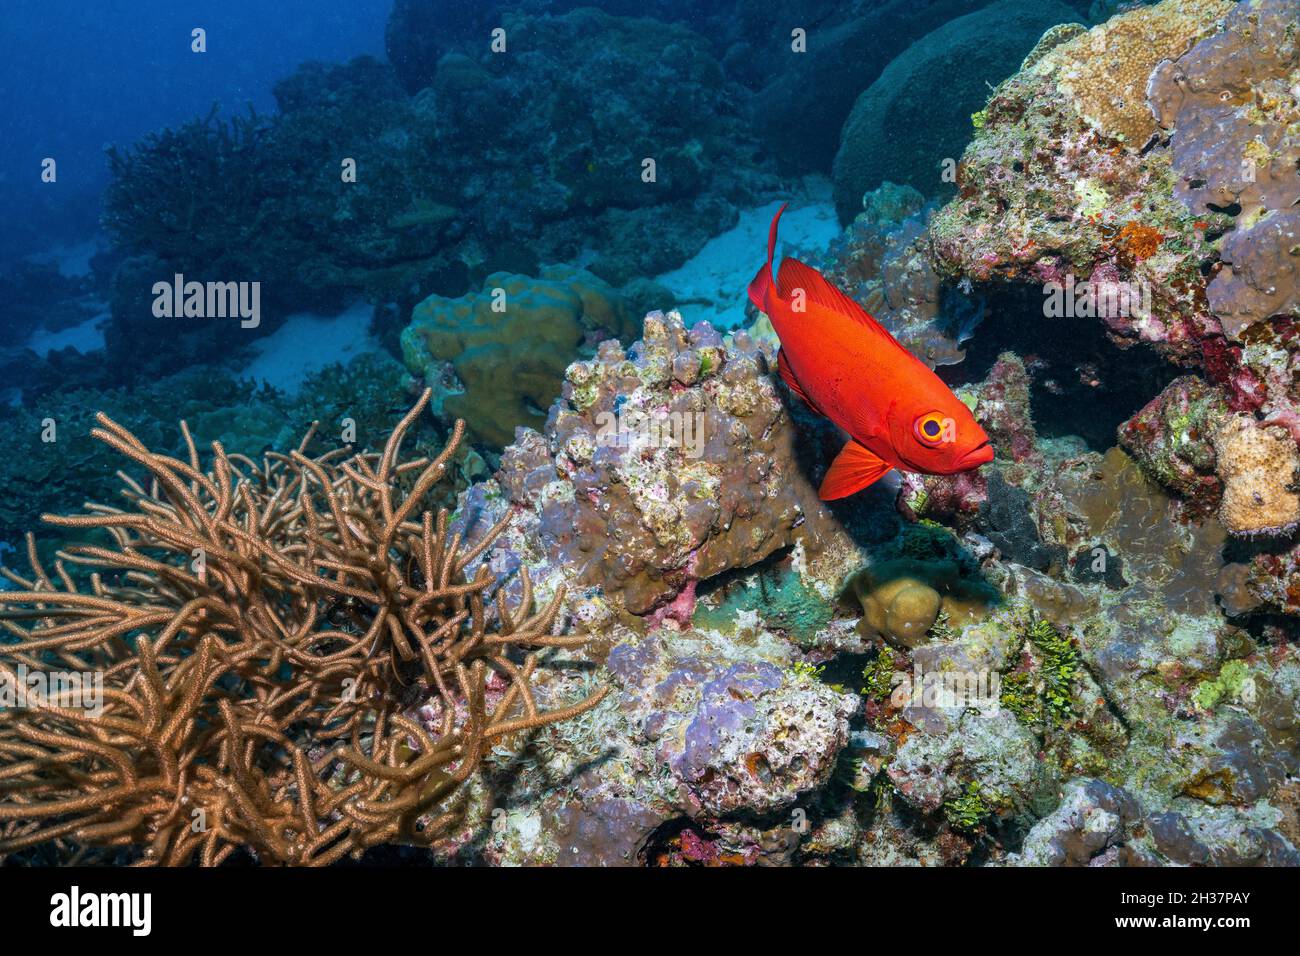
x,y
968,811
1019,696
878,675
1226,686
1060,670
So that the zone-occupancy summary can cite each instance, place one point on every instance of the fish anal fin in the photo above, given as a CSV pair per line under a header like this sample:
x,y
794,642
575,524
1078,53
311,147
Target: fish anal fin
x,y
787,376
854,468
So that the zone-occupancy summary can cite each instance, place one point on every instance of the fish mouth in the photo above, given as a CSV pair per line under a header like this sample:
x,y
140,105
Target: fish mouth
x,y
981,454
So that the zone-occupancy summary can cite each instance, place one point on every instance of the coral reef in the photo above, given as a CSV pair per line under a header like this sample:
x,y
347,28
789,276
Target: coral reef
x,y
1045,194
1172,439
38,296
533,327
748,736
659,467
1258,468
293,662
916,92
622,629
1093,818
1173,206
849,45
971,728
902,599
436,204
1105,74
882,262
1232,108
55,464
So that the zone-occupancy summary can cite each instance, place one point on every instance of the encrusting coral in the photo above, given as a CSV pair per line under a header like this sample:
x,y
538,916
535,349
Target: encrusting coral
x,y
292,662
534,327
903,598
1258,467
1233,106
1106,72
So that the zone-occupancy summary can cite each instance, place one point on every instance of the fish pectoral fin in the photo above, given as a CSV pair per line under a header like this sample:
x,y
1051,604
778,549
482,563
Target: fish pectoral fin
x,y
787,376
854,468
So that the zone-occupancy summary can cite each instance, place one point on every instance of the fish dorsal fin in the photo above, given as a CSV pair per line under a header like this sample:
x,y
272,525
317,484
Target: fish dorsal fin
x,y
796,275
762,283
787,376
854,468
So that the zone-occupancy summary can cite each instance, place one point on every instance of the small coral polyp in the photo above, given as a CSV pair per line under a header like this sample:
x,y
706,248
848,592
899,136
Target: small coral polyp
x,y
1258,467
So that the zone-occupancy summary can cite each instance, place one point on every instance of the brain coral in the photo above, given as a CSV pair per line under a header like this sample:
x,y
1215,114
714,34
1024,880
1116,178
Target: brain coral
x,y
1105,71
1258,467
921,92
1233,106
497,357
901,599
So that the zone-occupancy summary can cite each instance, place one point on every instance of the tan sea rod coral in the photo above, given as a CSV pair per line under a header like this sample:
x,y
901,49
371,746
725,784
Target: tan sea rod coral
x,y
293,662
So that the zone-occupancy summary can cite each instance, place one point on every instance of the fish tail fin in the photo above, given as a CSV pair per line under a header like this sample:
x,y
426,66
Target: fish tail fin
x,y
763,282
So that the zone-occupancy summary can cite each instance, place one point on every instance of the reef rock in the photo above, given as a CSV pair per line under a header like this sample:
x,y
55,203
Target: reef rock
x,y
1233,110
1147,167
748,735
659,467
1093,817
710,743
881,260
922,92
1172,439
992,750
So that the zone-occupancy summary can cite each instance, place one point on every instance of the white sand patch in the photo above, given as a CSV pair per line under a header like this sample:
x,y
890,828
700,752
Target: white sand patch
x,y
712,285
86,337
307,343
73,260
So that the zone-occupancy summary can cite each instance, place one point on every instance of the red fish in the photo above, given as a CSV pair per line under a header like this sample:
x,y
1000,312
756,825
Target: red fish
x,y
847,367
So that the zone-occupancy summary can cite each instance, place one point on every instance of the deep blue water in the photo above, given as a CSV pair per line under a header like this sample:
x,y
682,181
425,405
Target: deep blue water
x,y
78,74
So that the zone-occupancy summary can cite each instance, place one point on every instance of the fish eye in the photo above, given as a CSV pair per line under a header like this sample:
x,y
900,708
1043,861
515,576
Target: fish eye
x,y
930,428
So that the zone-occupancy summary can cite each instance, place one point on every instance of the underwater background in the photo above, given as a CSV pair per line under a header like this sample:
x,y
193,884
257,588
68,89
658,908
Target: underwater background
x,y
608,620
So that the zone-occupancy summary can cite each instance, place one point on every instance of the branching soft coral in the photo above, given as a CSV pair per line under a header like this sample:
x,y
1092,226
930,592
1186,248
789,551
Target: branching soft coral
x,y
265,634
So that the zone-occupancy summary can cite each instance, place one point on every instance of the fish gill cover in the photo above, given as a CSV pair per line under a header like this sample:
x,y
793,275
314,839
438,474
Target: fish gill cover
x,y
548,580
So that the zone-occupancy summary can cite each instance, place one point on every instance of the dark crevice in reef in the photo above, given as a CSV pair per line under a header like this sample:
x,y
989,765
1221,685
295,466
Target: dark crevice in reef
x,y
1269,629
1083,383
766,571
